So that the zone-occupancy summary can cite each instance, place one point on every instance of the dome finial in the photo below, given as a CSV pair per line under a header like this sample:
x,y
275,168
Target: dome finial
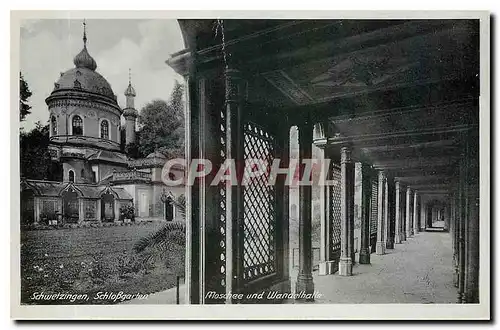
x,y
84,33
130,91
83,59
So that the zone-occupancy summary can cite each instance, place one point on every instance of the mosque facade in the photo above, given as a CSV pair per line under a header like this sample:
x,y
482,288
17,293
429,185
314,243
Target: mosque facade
x,y
98,182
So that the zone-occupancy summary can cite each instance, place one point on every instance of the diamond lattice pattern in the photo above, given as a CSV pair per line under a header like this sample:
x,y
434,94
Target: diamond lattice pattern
x,y
335,207
259,251
222,209
374,208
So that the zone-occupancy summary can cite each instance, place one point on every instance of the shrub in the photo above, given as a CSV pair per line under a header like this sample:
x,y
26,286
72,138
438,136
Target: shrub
x,y
127,212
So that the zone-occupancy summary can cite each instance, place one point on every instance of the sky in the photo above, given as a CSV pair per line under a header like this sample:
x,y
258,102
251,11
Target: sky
x,y
49,45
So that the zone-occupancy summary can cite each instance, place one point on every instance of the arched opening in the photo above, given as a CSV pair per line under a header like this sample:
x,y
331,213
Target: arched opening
x,y
169,209
108,207
53,125
71,176
77,125
27,207
71,211
105,129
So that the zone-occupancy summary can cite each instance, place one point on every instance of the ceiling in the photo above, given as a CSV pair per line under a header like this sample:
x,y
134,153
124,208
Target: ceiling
x,y
402,93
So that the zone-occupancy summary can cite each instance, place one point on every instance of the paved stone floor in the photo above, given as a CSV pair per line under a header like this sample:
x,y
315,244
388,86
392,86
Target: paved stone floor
x,y
417,271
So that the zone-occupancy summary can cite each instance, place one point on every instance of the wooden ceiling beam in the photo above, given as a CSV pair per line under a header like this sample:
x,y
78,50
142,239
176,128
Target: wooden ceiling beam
x,y
385,138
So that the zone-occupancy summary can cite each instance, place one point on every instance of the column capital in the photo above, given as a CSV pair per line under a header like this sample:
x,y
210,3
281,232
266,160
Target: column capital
x,y
233,84
320,134
397,184
382,176
183,63
345,154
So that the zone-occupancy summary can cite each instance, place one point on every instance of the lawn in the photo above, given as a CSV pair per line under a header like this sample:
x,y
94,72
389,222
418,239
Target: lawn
x,y
91,260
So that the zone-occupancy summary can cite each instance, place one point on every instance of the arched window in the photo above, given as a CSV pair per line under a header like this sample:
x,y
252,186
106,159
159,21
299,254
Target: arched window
x,y
53,125
77,125
104,129
71,176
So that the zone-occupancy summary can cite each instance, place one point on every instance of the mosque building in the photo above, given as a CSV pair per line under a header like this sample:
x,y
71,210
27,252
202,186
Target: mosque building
x,y
97,179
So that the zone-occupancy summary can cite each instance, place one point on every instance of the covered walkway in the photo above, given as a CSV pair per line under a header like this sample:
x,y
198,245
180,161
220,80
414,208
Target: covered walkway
x,y
387,110
416,271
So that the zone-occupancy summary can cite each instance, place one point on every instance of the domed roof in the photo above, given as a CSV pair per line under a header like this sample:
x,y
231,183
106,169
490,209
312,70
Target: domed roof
x,y
156,154
84,79
130,91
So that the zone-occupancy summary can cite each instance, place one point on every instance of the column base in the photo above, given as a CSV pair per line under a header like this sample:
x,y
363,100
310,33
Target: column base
x,y
364,257
345,267
408,234
380,248
328,267
397,239
304,284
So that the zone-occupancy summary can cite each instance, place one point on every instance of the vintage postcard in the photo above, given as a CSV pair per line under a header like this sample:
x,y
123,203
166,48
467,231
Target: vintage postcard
x,y
306,165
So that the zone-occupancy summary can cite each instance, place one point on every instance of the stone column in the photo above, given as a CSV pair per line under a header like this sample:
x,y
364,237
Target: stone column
x,y
347,212
81,211
472,277
463,212
447,218
366,196
398,237
304,278
415,213
454,233
403,213
408,212
380,248
388,200
327,265
423,216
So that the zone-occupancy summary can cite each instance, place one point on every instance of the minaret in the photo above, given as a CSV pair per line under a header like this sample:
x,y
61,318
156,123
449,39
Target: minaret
x,y
129,112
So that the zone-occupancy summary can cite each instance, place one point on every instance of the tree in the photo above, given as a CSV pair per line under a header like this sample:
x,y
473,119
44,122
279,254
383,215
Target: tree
x,y
24,95
162,125
34,154
168,243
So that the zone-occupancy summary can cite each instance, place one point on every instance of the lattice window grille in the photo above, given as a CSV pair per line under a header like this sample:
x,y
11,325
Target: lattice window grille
x,y
90,209
374,208
49,207
259,248
335,207
222,208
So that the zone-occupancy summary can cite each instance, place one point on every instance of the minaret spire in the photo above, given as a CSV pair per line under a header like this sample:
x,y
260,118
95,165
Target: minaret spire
x,y
129,112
